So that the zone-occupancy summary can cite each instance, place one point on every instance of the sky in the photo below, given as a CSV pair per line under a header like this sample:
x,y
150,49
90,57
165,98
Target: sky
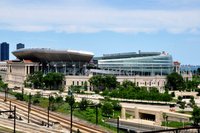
x,y
104,26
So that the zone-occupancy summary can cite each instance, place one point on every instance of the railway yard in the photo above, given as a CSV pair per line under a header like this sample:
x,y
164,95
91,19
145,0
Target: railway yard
x,y
58,123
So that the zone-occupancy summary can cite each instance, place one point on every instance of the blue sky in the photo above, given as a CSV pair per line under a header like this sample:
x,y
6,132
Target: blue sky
x,y
104,26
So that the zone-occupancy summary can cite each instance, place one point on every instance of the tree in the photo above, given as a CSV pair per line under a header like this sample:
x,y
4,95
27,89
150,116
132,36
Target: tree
x,y
107,109
101,82
198,71
70,100
191,85
175,82
196,115
165,117
105,92
53,80
127,83
116,105
179,99
192,103
35,79
182,105
19,96
59,99
173,94
83,104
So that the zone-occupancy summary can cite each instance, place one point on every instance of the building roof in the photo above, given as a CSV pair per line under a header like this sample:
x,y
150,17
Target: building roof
x,y
128,55
48,55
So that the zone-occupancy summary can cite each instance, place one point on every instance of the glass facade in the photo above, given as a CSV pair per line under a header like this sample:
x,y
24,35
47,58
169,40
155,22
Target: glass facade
x,y
4,49
67,68
20,46
137,64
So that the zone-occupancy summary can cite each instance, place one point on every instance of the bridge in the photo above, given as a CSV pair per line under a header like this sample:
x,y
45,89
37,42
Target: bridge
x,y
153,116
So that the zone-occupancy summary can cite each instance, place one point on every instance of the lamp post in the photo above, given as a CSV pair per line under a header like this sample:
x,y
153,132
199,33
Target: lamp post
x,y
6,91
71,103
96,114
48,111
118,124
14,113
71,118
71,110
29,106
22,93
14,119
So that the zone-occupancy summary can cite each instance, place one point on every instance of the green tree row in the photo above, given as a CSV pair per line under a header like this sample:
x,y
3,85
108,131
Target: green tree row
x,y
50,81
128,90
101,82
176,82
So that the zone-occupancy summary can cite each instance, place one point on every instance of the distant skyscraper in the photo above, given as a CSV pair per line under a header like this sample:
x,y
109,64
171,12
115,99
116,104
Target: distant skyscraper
x,y
4,49
20,46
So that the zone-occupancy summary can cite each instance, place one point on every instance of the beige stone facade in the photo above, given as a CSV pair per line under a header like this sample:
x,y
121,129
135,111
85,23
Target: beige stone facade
x,y
142,81
152,114
17,72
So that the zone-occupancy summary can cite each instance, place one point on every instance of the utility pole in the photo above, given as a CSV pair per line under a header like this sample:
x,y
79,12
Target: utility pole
x,y
5,99
14,113
29,106
48,116
117,124
10,105
71,118
48,111
71,109
96,114
14,118
22,93
10,108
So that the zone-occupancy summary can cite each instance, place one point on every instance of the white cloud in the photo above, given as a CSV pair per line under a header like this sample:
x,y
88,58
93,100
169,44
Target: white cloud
x,y
90,17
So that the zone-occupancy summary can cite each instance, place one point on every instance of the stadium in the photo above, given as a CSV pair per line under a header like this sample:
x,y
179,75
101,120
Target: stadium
x,y
68,62
142,63
147,69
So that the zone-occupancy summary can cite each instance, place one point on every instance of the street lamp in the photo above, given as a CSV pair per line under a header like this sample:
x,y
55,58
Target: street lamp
x,y
6,92
22,93
29,106
118,124
48,110
71,110
71,103
96,106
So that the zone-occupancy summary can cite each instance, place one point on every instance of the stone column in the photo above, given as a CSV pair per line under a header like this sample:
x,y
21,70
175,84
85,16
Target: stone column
x,y
28,70
25,70
137,113
158,118
123,113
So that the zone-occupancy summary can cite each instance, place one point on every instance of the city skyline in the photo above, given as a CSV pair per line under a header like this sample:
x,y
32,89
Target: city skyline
x,y
104,27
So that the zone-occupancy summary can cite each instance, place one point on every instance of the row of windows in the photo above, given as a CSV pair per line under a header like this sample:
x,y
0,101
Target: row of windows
x,y
158,59
82,83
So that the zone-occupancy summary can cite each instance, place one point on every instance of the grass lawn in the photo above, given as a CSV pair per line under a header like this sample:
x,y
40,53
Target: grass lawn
x,y
89,114
176,124
185,112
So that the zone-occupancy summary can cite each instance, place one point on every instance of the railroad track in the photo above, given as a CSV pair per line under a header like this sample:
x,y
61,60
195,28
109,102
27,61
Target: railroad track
x,y
42,113
26,128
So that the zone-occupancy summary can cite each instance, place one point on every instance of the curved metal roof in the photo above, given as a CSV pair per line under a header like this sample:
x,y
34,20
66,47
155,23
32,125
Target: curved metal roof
x,y
48,55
